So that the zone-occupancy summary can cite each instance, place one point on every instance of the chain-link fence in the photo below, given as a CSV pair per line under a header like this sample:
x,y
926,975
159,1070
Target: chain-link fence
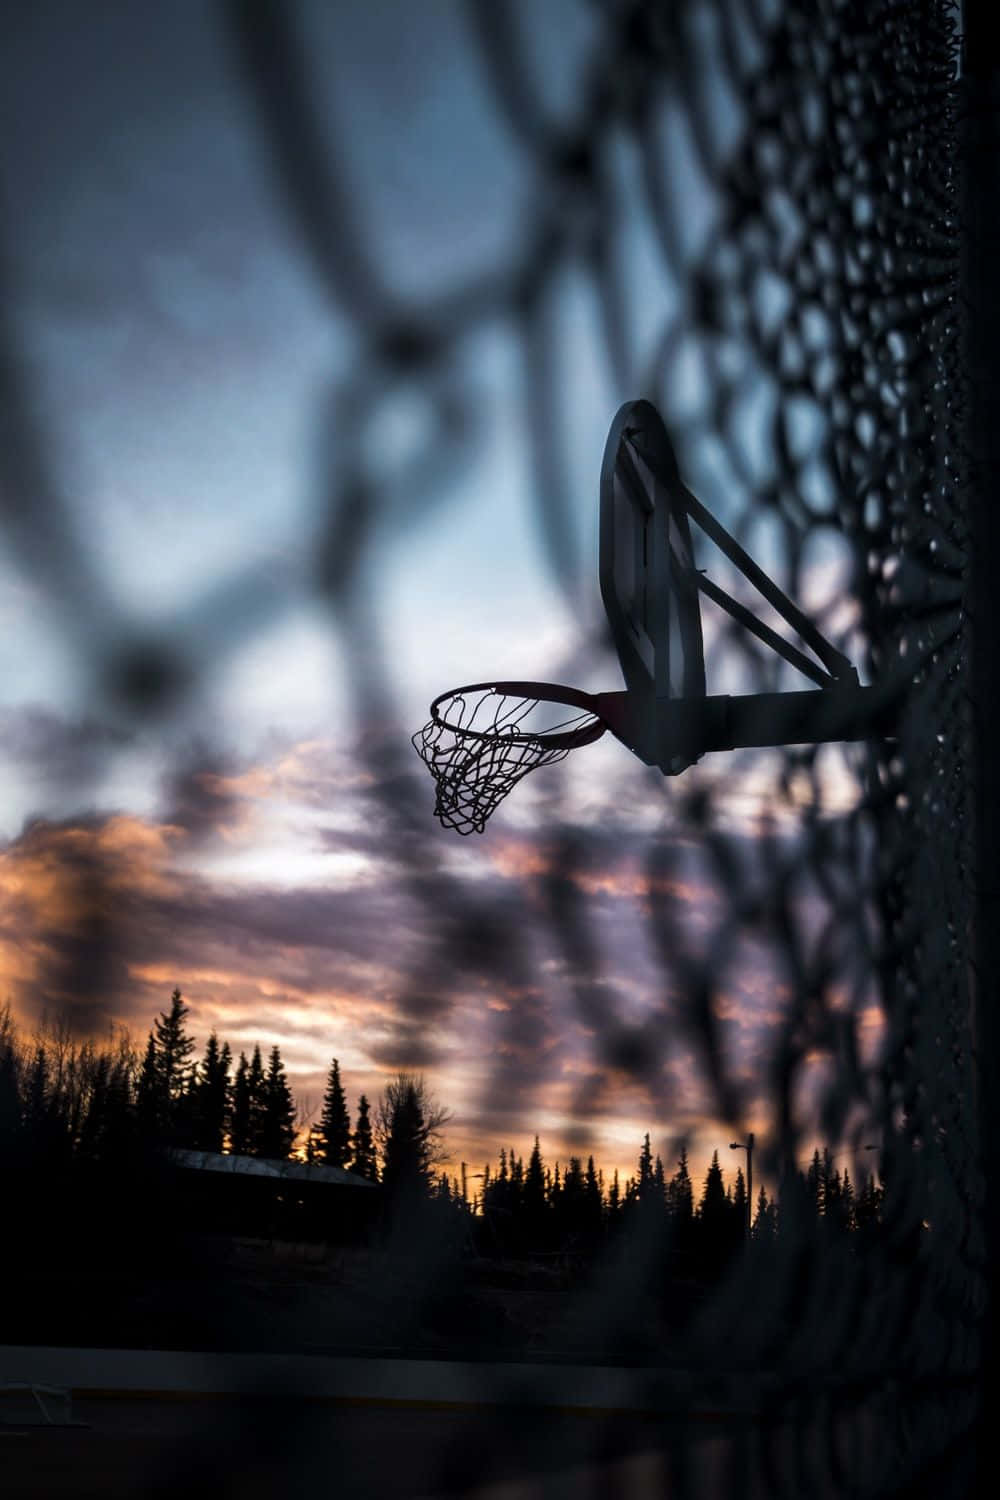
x,y
753,207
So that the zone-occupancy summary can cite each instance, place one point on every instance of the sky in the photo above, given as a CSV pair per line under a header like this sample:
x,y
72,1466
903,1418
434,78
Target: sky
x,y
200,403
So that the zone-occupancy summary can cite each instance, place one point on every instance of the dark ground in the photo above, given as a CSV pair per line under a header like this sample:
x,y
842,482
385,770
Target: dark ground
x,y
254,1294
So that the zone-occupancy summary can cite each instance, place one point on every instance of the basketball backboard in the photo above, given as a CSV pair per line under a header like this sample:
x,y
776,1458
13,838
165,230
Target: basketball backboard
x,y
647,572
483,739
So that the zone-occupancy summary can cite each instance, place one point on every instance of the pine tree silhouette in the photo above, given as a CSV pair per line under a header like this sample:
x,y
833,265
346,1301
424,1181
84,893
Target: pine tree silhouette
x,y
831,1198
680,1200
164,1104
714,1218
646,1183
739,1207
847,1202
174,1048
593,1203
533,1199
573,1207
815,1182
408,1125
335,1122
46,1142
277,1127
239,1119
150,1104
516,1184
867,1207
363,1160
256,1104
614,1202
210,1100
555,1203
501,1185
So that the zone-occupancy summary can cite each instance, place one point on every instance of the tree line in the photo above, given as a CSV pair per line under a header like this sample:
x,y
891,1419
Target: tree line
x,y
65,1101
530,1206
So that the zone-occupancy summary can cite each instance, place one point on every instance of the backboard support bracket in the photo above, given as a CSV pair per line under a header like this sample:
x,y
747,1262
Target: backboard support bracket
x,y
687,728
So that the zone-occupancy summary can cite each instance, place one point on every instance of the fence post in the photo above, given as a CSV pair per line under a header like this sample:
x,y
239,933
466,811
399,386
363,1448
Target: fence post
x,y
981,309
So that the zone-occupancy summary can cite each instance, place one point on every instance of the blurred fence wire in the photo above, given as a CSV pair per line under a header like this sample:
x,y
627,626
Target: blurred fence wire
x,y
797,163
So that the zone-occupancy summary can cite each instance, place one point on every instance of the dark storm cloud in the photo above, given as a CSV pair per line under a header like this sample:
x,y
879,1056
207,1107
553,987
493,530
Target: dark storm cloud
x,y
198,797
57,748
405,1048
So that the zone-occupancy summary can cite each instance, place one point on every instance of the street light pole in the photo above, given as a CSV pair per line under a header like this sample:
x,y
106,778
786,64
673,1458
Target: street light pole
x,y
747,1146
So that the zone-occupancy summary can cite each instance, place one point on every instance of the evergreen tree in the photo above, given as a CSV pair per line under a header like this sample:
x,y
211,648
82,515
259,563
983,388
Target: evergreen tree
x,y
680,1198
867,1207
174,1046
210,1097
840,1212
150,1104
555,1200
765,1219
501,1184
516,1184
277,1130
534,1199
534,1178
408,1126
594,1204
816,1184
831,1198
847,1201
44,1136
574,1200
164,1081
614,1201
714,1216
363,1160
239,1119
740,1206
335,1122
646,1184
256,1104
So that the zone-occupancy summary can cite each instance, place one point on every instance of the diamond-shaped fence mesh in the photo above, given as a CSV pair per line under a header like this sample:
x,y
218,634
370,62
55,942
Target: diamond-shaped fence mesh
x,y
758,206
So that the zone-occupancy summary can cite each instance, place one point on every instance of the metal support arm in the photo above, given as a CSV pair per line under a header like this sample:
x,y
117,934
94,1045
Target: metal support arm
x,y
680,730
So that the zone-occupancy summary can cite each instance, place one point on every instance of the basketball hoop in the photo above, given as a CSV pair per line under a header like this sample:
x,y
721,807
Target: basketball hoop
x,y
480,741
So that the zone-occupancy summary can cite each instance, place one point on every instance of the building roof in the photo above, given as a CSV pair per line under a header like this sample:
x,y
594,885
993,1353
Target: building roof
x,y
256,1166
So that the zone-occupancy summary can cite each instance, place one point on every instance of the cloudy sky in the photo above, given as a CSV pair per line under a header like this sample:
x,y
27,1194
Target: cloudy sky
x,y
243,547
